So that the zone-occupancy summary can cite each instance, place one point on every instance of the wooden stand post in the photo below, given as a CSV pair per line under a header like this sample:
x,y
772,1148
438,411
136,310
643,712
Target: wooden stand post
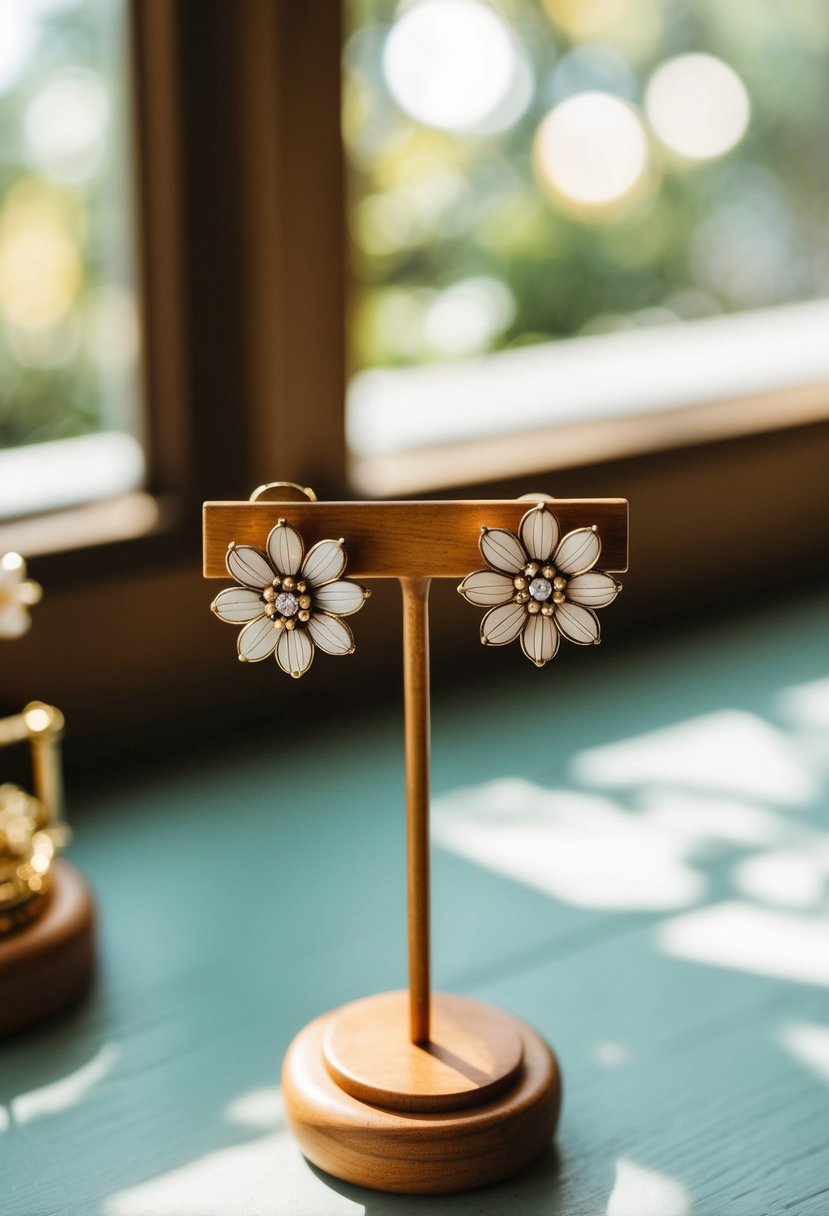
x,y
416,704
415,1092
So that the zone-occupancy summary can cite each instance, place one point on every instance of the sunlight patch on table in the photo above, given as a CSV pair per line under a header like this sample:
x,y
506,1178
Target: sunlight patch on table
x,y
264,1177
641,1192
580,848
729,751
259,1108
267,1176
745,937
702,819
809,1044
610,1055
806,704
790,878
806,708
66,1092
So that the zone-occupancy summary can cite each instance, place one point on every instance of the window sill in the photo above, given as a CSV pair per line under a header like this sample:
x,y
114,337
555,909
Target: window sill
x,y
121,518
588,400
66,473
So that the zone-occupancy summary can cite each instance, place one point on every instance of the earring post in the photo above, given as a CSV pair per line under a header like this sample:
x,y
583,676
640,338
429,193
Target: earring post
x,y
416,705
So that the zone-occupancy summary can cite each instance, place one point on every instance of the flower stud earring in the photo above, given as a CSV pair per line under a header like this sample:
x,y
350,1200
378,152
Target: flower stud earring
x,y
17,595
289,601
540,586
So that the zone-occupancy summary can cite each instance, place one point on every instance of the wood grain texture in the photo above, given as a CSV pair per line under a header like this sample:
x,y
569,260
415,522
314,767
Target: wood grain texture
x,y
419,1153
406,539
474,1053
50,963
417,731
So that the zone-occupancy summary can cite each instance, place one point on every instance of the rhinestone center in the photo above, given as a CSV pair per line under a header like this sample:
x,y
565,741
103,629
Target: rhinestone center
x,y
540,588
287,603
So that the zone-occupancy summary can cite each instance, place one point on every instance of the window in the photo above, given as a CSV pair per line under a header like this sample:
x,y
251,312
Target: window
x,y
240,257
70,426
235,133
567,183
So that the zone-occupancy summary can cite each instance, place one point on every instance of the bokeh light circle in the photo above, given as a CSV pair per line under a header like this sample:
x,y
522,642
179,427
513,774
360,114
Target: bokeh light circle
x,y
450,64
466,317
698,106
591,149
66,125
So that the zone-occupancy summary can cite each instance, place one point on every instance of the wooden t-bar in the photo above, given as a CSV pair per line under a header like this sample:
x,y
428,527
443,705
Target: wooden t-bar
x,y
406,539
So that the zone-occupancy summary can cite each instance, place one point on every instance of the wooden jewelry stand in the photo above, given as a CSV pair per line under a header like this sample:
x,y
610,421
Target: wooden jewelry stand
x,y
416,1092
49,962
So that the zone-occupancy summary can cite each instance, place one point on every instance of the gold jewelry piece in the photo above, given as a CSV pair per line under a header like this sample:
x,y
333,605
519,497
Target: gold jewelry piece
x,y
540,586
289,601
27,851
32,831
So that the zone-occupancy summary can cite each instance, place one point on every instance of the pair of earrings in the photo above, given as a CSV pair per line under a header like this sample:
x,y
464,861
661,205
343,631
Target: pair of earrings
x,y
538,585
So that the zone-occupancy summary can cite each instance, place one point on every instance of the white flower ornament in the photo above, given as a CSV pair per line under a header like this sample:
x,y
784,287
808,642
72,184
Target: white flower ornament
x,y
540,586
17,595
289,601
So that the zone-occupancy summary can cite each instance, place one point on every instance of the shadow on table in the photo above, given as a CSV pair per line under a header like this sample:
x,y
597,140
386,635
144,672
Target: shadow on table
x,y
535,1189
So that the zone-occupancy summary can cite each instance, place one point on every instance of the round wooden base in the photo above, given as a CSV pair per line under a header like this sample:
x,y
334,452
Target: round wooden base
x,y
406,1144
50,962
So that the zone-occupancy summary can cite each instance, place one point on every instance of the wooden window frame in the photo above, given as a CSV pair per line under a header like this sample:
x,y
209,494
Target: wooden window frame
x,y
242,260
241,280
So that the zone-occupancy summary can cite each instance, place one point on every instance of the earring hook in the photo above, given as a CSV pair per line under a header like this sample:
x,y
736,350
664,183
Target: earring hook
x,y
265,493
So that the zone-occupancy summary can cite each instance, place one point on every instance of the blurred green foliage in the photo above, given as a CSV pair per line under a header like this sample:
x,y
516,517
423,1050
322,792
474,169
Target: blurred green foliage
x,y
67,325
458,245
432,209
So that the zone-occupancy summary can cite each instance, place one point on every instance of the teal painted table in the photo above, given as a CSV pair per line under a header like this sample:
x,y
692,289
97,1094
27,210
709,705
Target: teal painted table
x,y
631,852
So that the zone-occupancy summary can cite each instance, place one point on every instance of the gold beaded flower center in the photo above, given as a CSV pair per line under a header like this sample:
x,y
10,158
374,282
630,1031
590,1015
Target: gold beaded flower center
x,y
287,602
540,588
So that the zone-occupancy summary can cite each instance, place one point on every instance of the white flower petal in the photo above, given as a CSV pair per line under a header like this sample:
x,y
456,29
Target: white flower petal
x,y
539,532
539,640
485,588
578,551
237,605
577,624
257,640
14,621
503,624
12,568
249,566
595,589
330,633
502,550
285,548
294,651
30,593
324,563
342,597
